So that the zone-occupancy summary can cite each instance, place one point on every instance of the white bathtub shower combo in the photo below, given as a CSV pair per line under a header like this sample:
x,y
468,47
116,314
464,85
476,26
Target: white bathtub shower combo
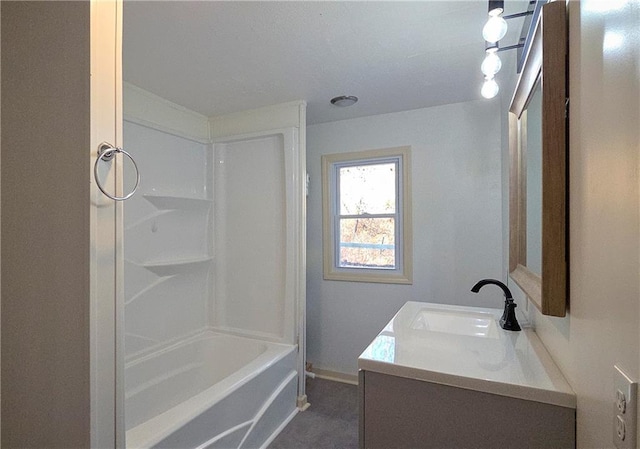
x,y
214,276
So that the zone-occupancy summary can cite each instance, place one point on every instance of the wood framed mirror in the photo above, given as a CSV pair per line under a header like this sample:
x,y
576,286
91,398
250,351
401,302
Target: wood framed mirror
x,y
538,195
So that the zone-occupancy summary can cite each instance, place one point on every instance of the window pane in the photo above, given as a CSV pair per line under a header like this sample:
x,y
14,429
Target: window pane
x,y
367,243
368,189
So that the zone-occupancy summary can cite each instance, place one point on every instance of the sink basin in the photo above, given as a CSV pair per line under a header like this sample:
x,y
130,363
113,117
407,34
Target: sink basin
x,y
458,322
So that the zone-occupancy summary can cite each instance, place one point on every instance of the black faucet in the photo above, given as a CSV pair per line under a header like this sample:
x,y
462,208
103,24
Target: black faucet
x,y
508,320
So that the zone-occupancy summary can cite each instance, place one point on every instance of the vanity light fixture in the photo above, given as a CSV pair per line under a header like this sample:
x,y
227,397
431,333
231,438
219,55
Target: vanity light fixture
x,y
494,30
344,100
496,7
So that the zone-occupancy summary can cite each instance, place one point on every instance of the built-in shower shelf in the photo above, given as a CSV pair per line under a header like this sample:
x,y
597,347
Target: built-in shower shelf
x,y
181,266
177,202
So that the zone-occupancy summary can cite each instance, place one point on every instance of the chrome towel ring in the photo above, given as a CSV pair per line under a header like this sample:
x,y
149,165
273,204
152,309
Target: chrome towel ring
x,y
106,152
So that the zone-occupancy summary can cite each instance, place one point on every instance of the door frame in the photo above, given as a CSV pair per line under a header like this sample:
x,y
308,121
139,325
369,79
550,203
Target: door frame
x,y
106,265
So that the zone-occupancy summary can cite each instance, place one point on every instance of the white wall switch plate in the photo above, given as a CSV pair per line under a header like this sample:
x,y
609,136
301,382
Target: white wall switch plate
x,y
625,409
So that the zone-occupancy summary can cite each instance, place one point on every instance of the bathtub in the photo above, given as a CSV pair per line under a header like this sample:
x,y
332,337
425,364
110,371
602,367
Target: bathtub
x,y
210,391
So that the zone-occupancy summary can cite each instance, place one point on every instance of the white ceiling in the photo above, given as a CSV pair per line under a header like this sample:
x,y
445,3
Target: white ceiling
x,y
218,57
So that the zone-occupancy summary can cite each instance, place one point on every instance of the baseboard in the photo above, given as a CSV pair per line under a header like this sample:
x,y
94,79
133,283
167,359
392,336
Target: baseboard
x,y
279,429
336,376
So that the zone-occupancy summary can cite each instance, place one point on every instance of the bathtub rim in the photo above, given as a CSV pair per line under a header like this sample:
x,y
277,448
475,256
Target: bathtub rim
x,y
200,334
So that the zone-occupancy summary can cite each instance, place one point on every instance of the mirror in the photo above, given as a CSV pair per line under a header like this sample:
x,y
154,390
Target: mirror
x,y
538,226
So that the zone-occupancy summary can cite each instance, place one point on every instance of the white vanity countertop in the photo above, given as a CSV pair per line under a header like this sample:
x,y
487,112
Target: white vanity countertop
x,y
465,347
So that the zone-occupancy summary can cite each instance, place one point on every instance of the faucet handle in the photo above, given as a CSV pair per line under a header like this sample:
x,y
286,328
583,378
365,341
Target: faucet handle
x,y
508,320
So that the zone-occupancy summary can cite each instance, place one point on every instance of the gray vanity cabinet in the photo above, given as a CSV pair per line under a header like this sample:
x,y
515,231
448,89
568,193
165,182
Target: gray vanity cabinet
x,y
398,412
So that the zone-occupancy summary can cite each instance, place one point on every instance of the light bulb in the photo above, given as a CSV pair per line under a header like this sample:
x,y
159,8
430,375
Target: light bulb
x,y
489,88
491,64
495,29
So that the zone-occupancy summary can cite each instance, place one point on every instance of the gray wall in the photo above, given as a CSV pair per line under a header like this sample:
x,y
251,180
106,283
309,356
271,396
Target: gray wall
x,y
45,224
457,222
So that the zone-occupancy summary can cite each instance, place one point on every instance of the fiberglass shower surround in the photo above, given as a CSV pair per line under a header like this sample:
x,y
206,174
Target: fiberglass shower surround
x,y
210,287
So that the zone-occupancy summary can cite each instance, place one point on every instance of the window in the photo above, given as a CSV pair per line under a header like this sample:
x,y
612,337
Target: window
x,y
367,216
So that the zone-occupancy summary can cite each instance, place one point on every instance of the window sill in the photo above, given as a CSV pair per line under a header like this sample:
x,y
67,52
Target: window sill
x,y
380,278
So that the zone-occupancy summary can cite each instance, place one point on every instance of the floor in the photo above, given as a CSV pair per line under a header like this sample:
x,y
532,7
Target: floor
x,y
330,423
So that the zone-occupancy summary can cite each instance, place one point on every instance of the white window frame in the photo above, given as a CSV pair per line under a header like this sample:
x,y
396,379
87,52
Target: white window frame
x,y
331,163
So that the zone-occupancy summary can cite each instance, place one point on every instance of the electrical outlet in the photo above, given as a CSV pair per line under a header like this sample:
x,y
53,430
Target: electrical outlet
x,y
621,401
621,431
624,410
